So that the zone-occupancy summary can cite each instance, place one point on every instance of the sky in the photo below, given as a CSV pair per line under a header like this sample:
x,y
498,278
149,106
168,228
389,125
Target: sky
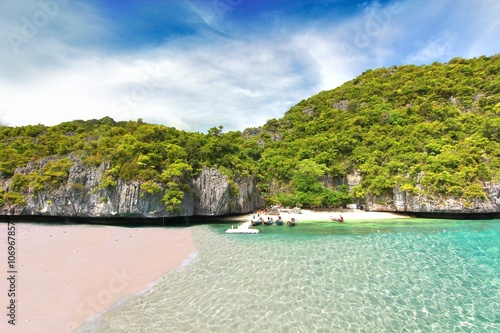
x,y
198,64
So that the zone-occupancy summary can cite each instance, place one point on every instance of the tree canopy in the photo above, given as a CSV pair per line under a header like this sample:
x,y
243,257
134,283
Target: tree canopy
x,y
435,125
431,130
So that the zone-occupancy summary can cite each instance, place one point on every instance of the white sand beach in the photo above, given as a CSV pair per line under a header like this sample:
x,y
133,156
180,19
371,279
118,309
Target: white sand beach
x,y
68,274
355,215
310,215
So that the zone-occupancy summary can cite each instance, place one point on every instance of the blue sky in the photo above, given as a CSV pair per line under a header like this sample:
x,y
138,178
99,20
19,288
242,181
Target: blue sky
x,y
196,64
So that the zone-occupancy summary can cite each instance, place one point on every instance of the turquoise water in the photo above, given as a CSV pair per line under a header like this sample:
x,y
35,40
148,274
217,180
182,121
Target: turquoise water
x,y
387,276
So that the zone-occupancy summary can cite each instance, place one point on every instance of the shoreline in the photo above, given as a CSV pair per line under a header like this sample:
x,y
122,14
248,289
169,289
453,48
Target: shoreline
x,y
316,216
359,215
67,275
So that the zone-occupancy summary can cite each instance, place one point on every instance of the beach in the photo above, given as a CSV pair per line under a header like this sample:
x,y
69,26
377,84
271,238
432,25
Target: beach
x,y
67,274
311,215
360,276
355,215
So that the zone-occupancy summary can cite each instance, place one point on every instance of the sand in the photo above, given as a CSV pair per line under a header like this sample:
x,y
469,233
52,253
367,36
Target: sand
x,y
68,274
358,215
310,215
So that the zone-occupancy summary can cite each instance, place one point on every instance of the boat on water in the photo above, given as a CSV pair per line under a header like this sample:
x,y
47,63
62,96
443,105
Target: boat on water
x,y
268,222
242,229
255,222
261,221
340,218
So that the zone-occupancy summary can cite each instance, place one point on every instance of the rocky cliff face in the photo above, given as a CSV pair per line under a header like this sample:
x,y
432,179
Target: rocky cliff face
x,y
215,195
210,194
399,201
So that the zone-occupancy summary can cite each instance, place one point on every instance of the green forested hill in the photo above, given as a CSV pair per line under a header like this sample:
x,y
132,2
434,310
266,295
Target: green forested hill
x,y
153,155
434,126
426,130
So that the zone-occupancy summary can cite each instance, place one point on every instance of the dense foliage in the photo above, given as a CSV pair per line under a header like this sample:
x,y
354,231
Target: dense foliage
x,y
431,130
156,156
435,126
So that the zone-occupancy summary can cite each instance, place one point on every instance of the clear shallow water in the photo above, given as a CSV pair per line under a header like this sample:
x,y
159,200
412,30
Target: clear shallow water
x,y
384,276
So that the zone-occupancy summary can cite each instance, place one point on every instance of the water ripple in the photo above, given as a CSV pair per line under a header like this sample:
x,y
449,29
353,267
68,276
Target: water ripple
x,y
378,279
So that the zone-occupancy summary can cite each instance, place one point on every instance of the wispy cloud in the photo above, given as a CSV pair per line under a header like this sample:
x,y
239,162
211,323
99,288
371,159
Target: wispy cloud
x,y
446,29
223,71
485,29
38,36
432,50
195,88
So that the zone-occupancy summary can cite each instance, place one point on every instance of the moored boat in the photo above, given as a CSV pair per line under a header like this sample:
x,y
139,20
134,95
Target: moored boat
x,y
337,219
256,222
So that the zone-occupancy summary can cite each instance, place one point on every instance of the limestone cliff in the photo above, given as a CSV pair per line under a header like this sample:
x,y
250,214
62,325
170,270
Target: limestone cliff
x,y
400,201
80,195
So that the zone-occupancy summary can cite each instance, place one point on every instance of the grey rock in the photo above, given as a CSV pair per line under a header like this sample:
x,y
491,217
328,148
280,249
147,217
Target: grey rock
x,y
210,194
399,201
341,105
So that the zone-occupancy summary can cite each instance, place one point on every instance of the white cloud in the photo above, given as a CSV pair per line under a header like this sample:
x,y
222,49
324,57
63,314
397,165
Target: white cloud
x,y
485,28
344,50
236,85
333,58
193,84
439,31
37,35
213,12
432,50
198,82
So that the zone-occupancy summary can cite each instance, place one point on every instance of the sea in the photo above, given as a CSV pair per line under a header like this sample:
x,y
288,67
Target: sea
x,y
397,275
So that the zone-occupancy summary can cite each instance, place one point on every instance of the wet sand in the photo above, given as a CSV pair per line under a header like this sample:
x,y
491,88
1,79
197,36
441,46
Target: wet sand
x,y
68,274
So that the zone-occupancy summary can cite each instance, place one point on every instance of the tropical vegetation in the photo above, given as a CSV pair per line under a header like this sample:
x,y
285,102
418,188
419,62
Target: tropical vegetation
x,y
425,130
